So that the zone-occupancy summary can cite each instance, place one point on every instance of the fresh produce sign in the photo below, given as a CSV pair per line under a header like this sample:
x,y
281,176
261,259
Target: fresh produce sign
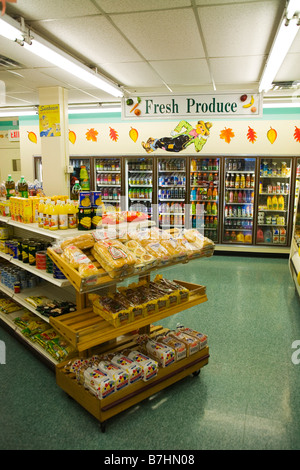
x,y
238,105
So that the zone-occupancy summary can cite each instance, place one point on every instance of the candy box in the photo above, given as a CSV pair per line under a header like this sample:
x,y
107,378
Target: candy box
x,y
179,347
149,367
98,382
202,338
118,375
163,353
132,368
192,344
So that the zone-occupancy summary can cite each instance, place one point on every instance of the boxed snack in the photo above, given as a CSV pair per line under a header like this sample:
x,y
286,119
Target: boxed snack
x,y
149,366
85,199
98,382
132,368
85,215
178,346
191,343
116,311
116,373
161,352
114,257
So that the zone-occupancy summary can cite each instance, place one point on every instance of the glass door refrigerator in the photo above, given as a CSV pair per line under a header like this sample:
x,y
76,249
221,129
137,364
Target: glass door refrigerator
x,y
108,182
297,187
171,192
204,196
239,190
82,172
139,185
273,201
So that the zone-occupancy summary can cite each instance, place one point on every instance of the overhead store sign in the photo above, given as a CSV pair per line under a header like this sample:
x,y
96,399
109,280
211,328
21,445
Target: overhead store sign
x,y
197,105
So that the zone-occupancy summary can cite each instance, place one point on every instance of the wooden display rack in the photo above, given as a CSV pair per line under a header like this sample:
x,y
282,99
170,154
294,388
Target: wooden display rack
x,y
90,334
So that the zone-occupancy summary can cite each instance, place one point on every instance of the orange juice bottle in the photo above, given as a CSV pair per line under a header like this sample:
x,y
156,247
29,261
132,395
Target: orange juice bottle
x,y
275,203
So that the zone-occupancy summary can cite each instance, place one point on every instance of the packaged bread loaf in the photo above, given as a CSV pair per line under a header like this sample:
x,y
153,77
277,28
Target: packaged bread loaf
x,y
174,248
143,258
149,366
132,368
114,257
78,260
119,375
154,248
179,347
164,355
84,241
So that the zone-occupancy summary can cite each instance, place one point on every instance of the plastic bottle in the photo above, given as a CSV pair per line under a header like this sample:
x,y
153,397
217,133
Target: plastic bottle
x,y
242,181
237,181
268,238
72,214
214,209
10,187
75,190
23,187
208,208
84,178
240,197
281,203
53,216
274,203
248,181
46,215
62,215
41,213
231,196
269,203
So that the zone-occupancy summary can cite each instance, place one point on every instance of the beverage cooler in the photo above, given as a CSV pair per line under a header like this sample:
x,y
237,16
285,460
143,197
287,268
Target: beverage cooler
x,y
171,191
274,199
239,200
108,181
297,187
82,172
204,196
139,185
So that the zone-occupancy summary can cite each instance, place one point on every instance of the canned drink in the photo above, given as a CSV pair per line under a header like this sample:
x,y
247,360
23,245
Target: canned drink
x,y
14,249
25,251
17,287
32,249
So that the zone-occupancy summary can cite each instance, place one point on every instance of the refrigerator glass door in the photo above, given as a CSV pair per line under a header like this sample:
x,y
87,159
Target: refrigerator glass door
x,y
239,187
81,172
273,201
297,188
204,196
171,192
108,182
139,184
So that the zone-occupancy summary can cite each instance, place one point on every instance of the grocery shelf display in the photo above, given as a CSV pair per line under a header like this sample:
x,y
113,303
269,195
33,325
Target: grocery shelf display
x,y
274,200
294,257
239,200
204,196
139,185
108,181
171,192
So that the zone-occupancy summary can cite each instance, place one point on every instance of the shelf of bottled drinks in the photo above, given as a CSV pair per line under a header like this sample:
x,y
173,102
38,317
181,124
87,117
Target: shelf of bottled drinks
x,y
233,200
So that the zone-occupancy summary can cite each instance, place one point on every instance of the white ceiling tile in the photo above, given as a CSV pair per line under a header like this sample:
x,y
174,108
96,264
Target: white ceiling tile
x,y
236,69
92,38
290,69
45,9
163,35
133,74
115,6
239,31
183,72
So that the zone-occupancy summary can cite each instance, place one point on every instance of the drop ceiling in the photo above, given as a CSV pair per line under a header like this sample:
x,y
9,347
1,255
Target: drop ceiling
x,y
147,46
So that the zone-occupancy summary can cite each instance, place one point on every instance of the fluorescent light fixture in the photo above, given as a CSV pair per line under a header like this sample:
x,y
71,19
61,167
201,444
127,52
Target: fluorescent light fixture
x,y
38,46
283,40
87,110
292,8
15,112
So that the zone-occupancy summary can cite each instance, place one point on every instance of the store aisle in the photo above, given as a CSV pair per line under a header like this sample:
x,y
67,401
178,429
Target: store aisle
x,y
247,397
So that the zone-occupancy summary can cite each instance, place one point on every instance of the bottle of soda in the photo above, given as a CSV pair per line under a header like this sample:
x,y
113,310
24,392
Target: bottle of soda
x,y
23,187
10,187
75,190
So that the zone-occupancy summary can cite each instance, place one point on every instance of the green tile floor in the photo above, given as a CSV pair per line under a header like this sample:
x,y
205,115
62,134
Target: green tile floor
x,y
247,397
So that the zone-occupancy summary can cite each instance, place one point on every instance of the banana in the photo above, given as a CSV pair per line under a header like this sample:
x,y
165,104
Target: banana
x,y
249,104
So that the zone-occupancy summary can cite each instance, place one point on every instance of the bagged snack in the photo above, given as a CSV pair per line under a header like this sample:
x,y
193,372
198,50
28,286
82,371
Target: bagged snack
x,y
149,366
83,242
25,319
132,368
59,348
98,383
114,257
78,260
119,375
161,352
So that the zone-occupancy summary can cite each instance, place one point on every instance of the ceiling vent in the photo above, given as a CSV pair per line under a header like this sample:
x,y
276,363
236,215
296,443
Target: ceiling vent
x,y
8,64
288,85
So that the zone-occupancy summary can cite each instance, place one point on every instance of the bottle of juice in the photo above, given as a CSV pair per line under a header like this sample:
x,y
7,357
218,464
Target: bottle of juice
x,y
248,181
237,181
274,203
242,181
10,187
281,203
208,208
41,213
53,216
84,178
46,216
269,203
214,209
23,187
62,215
72,214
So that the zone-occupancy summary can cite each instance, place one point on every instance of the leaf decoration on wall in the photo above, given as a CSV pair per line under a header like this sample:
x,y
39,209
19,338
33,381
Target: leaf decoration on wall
x,y
297,134
251,135
113,134
72,137
133,134
272,135
91,134
227,135
32,137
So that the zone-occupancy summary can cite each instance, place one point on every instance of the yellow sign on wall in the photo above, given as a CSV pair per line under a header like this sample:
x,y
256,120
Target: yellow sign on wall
x,y
49,120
